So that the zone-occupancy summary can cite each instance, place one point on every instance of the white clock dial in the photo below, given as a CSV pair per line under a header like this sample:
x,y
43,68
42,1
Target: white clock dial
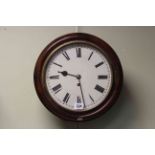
x,y
78,76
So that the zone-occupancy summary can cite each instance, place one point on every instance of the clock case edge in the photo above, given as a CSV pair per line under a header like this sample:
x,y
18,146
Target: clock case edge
x,y
79,116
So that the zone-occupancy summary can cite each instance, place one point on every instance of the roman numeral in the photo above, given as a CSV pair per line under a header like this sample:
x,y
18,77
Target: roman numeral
x,y
78,99
79,104
90,56
91,98
102,76
54,77
99,64
57,64
78,52
99,88
57,88
66,98
66,55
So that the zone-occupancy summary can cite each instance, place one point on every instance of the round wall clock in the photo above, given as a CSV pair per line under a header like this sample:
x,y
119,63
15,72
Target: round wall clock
x,y
78,77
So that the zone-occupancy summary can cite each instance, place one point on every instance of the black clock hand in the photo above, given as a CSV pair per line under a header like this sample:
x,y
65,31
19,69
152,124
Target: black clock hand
x,y
65,73
79,78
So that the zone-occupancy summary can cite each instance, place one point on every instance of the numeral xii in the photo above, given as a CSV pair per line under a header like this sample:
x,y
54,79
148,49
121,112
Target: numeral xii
x,y
66,55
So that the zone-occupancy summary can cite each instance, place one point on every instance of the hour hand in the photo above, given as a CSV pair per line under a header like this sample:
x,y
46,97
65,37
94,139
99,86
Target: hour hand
x,y
65,73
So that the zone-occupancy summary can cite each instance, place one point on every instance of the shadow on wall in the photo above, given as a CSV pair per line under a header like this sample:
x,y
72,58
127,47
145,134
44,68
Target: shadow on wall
x,y
118,117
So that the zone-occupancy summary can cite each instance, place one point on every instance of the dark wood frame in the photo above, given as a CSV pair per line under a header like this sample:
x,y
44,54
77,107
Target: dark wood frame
x,y
78,116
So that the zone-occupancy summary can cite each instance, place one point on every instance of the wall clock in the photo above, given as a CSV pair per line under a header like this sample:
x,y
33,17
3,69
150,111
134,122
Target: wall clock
x,y
78,77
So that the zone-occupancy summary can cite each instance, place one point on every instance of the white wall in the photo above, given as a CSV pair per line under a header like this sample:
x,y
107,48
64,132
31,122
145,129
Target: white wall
x,y
20,106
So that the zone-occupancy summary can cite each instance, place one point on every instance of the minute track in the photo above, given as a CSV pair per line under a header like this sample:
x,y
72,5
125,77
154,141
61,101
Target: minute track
x,y
73,56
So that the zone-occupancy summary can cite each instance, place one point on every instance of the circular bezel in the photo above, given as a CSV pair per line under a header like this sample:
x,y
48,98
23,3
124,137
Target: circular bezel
x,y
70,44
40,85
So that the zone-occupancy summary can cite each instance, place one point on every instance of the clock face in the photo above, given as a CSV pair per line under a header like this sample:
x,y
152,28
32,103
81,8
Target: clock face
x,y
78,76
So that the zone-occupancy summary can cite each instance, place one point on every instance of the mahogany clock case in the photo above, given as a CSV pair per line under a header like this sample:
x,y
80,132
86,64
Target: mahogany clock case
x,y
78,116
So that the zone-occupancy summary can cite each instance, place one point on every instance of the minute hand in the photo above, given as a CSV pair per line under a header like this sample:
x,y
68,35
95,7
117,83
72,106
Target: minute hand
x,y
79,77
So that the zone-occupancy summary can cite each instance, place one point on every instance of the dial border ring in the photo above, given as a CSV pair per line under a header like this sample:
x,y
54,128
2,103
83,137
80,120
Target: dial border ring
x,y
69,43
